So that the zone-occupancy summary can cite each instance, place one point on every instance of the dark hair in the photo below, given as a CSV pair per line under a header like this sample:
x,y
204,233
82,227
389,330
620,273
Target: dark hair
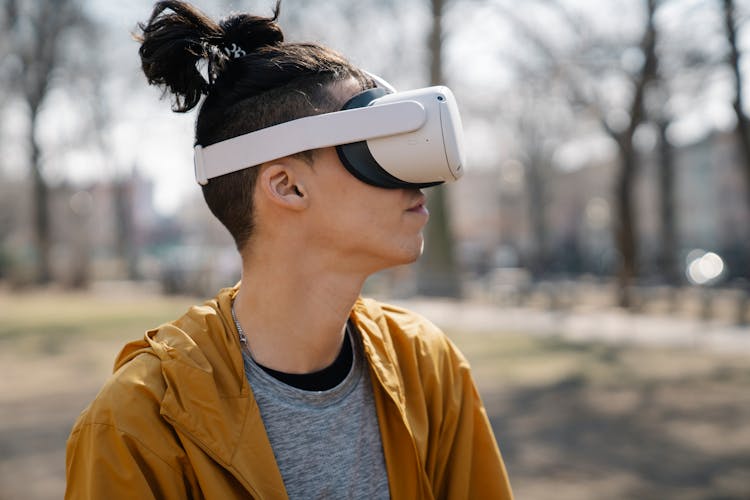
x,y
253,80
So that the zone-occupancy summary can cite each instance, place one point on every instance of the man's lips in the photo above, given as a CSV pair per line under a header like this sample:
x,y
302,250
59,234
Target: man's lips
x,y
418,206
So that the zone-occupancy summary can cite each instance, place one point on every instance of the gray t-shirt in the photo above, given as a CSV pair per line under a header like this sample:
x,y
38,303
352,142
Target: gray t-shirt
x,y
326,443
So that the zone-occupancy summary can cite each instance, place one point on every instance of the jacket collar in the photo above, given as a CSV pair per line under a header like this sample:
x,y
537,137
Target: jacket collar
x,y
369,320
207,396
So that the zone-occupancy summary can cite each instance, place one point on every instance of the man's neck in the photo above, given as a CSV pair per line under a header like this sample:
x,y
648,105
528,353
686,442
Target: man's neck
x,y
294,315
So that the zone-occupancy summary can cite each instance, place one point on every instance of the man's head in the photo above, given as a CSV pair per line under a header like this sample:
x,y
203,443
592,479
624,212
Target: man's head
x,y
253,80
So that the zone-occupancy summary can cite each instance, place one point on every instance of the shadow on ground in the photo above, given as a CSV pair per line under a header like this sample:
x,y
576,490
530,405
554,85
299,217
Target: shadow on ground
x,y
626,434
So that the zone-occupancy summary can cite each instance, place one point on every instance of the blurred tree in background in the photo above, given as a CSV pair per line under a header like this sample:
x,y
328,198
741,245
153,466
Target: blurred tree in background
x,y
38,45
732,25
437,268
588,72
635,77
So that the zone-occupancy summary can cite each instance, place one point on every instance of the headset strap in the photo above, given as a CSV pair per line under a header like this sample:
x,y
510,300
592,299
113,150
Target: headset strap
x,y
303,134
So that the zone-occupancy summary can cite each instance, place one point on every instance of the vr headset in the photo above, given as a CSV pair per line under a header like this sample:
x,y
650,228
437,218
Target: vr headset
x,y
385,138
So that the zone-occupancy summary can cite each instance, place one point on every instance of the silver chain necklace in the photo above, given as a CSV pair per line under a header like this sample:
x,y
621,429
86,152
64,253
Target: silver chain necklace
x,y
243,337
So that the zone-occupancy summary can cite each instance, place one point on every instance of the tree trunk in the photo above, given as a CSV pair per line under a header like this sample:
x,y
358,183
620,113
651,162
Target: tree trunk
x,y
437,273
123,202
536,209
625,227
743,127
41,206
35,35
668,227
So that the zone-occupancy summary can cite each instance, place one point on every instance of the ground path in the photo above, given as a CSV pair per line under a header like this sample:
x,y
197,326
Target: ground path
x,y
606,325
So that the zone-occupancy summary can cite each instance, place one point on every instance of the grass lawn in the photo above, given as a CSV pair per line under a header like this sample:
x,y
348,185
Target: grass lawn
x,y
574,420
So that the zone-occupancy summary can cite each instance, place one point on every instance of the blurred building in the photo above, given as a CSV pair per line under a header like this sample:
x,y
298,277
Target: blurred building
x,y
105,230
712,202
491,213
100,230
16,257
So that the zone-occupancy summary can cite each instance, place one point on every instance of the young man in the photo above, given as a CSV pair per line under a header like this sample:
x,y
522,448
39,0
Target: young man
x,y
290,384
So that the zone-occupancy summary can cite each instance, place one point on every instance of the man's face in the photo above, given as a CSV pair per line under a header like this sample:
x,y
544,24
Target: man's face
x,y
366,225
370,226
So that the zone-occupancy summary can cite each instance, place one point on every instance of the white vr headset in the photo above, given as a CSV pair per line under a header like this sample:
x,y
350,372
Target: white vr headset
x,y
385,138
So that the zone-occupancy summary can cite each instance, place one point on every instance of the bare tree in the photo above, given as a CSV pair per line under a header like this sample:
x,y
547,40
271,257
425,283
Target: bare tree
x,y
438,272
582,68
625,229
537,168
35,32
121,179
668,219
535,136
688,67
743,122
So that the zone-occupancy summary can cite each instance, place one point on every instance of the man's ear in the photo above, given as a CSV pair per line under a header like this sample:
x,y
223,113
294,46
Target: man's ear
x,y
280,184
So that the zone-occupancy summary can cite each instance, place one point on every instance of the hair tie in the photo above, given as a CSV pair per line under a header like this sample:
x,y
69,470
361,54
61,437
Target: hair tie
x,y
234,51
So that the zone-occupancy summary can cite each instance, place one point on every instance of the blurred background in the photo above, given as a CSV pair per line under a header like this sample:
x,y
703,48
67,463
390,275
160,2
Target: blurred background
x,y
593,263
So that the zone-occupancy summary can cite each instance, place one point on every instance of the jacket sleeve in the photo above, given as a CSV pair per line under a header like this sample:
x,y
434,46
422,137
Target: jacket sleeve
x,y
122,448
469,463
104,462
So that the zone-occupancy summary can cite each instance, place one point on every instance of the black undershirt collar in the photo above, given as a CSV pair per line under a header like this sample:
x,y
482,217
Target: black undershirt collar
x,y
324,379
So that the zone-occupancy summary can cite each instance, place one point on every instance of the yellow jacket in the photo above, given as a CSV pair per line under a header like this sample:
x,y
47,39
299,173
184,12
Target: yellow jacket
x,y
178,420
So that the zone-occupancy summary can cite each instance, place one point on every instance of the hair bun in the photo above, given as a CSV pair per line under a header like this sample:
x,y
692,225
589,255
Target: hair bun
x,y
175,38
244,33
